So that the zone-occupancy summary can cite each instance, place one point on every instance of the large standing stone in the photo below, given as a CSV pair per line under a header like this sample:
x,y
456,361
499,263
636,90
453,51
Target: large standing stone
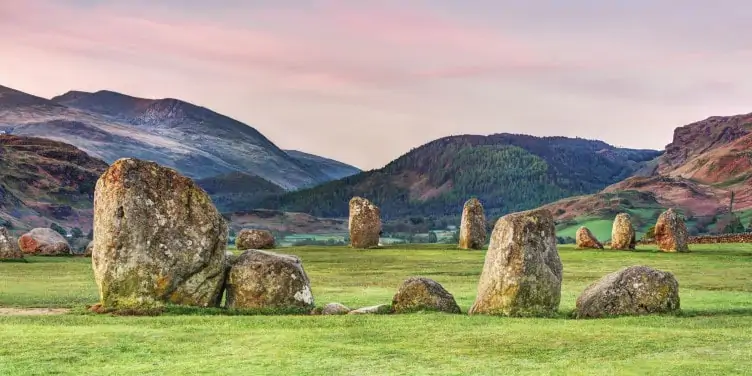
x,y
157,239
364,224
423,294
586,240
8,248
254,239
44,242
671,232
523,272
268,281
622,233
473,225
636,290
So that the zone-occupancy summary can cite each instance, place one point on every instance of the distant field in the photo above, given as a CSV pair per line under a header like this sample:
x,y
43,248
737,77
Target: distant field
x,y
712,336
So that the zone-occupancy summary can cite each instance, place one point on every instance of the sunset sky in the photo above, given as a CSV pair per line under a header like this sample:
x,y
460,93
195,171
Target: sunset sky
x,y
365,81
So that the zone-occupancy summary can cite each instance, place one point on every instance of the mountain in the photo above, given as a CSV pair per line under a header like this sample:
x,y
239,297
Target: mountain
x,y
238,192
44,181
702,166
507,172
194,140
333,169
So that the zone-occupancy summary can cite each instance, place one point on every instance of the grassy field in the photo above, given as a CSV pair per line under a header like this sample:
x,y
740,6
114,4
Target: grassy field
x,y
712,335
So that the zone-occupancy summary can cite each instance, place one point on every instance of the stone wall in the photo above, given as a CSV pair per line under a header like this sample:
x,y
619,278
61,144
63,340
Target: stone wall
x,y
713,239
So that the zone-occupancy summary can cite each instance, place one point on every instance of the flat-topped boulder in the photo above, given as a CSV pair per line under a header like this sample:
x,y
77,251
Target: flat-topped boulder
x,y
586,240
522,273
473,225
423,294
44,242
9,249
254,239
636,290
269,281
364,223
671,232
623,233
158,239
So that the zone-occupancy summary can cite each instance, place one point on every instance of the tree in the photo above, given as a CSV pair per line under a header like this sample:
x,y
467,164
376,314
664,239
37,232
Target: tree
x,y
734,226
432,238
650,234
59,229
77,233
90,235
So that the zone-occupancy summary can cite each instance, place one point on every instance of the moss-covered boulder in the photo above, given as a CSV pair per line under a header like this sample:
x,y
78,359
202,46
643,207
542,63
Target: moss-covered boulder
x,y
423,294
671,232
157,239
623,233
254,239
636,290
522,273
9,250
364,223
473,225
268,281
44,242
586,240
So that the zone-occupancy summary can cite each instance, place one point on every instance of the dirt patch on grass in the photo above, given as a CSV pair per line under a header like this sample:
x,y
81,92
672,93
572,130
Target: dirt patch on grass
x,y
32,311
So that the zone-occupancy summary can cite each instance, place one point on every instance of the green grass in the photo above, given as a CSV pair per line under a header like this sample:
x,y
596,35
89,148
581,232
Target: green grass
x,y
601,228
712,335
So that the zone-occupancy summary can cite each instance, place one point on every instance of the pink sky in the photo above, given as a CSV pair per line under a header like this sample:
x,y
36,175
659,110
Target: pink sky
x,y
363,82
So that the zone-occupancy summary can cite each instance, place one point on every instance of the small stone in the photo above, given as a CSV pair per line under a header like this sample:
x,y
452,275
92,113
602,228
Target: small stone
x,y
44,242
623,233
671,232
9,249
473,225
636,290
423,294
364,223
522,273
373,310
335,309
254,239
268,280
586,240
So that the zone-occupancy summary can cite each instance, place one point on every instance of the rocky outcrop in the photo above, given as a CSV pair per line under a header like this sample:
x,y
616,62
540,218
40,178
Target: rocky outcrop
x,y
44,242
254,239
522,273
671,232
636,290
473,225
8,248
586,240
268,281
423,294
623,233
157,239
364,223
335,309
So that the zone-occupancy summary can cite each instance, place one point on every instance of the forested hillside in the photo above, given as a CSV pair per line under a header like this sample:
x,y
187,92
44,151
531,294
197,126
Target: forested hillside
x,y
506,172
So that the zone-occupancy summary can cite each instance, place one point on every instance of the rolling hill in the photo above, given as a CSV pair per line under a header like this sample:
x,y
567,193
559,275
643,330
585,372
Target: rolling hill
x,y
194,140
44,181
702,166
508,172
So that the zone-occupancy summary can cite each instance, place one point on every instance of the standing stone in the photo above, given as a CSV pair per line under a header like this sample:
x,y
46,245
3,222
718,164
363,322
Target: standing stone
x,y
254,239
268,281
364,224
586,240
622,233
423,294
157,239
8,248
671,232
44,242
522,272
636,290
473,226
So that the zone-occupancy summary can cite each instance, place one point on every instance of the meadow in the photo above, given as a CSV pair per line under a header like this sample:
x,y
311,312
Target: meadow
x,y
711,336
